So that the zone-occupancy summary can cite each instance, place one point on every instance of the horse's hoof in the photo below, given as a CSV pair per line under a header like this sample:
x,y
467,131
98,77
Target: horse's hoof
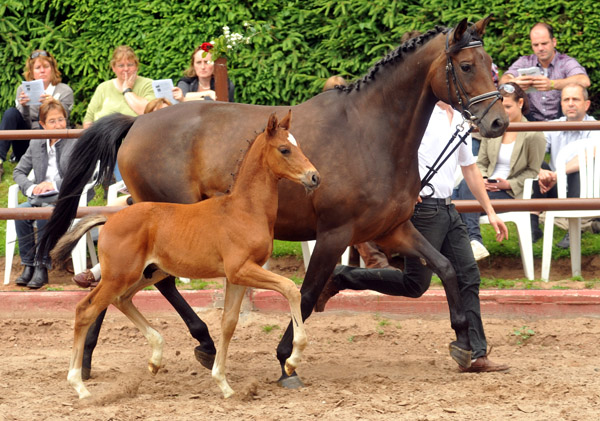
x,y
153,368
460,355
292,382
205,359
86,373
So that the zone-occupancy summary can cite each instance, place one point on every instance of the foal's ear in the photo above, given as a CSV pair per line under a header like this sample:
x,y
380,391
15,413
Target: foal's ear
x,y
482,24
271,125
460,30
287,120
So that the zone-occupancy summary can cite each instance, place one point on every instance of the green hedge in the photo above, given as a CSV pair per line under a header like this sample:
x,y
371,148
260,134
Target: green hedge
x,y
299,43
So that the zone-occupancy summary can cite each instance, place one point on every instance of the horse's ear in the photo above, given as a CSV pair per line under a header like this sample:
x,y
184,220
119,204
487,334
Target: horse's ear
x,y
460,30
482,24
287,120
271,125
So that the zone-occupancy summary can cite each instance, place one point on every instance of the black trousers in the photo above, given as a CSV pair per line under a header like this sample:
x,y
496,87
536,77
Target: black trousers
x,y
442,226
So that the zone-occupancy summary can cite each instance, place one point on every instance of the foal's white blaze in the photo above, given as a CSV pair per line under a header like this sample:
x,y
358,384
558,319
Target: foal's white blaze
x,y
292,139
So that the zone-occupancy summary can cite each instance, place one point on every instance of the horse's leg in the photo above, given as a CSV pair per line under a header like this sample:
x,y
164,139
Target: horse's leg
x,y
86,312
154,338
413,281
205,352
231,313
322,262
255,276
91,340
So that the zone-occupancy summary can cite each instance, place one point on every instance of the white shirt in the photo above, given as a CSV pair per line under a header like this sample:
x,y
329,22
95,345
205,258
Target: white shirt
x,y
555,141
52,172
503,163
436,137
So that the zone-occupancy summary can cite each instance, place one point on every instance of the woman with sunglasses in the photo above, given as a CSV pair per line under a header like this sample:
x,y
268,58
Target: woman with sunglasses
x,y
127,94
505,162
198,82
25,115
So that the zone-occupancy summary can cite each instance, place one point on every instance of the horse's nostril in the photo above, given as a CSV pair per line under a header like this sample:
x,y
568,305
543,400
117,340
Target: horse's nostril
x,y
316,179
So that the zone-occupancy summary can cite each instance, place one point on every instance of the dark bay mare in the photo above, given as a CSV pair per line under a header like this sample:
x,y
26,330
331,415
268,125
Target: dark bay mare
x,y
369,169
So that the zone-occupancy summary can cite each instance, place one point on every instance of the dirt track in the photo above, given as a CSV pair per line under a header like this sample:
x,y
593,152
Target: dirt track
x,y
356,366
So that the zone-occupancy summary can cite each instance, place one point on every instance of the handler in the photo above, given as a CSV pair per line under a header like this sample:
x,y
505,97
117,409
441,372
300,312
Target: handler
x,y
437,219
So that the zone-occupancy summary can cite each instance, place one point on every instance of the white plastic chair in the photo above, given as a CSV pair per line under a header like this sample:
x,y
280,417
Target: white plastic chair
x,y
523,222
78,254
309,246
589,174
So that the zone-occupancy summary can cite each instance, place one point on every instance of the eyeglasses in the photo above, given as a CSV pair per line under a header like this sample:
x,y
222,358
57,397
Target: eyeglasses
x,y
508,88
39,53
128,65
54,121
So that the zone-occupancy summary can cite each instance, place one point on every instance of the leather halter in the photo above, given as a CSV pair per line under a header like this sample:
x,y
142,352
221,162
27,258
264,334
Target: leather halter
x,y
459,89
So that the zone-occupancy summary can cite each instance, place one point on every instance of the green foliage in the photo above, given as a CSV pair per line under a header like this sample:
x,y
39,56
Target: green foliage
x,y
269,328
298,44
523,334
287,248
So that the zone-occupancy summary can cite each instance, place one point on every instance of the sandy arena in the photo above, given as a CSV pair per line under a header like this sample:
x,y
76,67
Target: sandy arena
x,y
359,366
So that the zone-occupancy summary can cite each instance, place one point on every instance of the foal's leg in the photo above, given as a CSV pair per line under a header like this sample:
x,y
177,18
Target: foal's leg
x,y
231,313
154,338
86,312
253,275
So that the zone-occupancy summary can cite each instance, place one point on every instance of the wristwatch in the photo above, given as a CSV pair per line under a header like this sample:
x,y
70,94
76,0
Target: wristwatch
x,y
127,90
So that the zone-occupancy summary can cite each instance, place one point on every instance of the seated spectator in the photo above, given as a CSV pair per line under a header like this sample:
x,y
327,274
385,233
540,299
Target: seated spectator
x,y
198,82
157,104
127,94
48,158
574,104
505,162
557,70
24,116
334,81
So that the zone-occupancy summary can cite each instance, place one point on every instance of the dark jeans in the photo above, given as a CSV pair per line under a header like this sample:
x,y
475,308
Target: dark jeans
x,y
471,220
26,238
442,226
13,120
573,186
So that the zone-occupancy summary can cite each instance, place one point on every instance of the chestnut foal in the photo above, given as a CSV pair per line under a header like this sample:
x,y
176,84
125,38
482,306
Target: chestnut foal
x,y
230,235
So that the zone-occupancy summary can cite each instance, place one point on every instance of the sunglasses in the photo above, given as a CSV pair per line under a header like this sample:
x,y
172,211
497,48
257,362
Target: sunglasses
x,y
39,53
508,88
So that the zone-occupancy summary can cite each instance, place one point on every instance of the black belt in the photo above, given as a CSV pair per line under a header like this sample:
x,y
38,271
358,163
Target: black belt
x,y
432,201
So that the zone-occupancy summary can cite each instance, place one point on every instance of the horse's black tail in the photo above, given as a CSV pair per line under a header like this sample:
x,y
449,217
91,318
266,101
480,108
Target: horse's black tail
x,y
98,143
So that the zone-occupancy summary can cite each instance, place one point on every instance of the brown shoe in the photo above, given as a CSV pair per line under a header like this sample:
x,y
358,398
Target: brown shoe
x,y
85,279
484,365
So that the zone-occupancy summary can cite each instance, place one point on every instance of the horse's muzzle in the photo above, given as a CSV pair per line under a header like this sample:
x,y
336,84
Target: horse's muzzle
x,y
311,180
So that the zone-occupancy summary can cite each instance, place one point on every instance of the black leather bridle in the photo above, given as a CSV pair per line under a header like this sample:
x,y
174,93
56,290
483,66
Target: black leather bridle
x,y
495,96
459,89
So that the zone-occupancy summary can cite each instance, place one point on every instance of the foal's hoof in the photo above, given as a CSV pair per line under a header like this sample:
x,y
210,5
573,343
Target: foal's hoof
x,y
205,359
153,368
460,355
291,382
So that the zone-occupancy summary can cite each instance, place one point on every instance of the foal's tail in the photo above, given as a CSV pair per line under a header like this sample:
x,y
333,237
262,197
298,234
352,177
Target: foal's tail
x,y
98,143
62,251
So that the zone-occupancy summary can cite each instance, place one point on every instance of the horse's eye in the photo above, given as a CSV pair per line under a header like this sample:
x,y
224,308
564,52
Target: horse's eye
x,y
465,67
285,150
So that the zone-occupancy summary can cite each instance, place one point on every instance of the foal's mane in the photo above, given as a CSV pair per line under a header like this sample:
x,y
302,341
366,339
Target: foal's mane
x,y
397,55
240,161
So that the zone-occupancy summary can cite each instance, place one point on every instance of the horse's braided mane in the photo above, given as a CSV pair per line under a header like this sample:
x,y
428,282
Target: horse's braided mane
x,y
396,55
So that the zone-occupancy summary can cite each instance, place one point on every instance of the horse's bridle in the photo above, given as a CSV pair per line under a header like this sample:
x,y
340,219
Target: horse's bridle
x,y
467,115
459,89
